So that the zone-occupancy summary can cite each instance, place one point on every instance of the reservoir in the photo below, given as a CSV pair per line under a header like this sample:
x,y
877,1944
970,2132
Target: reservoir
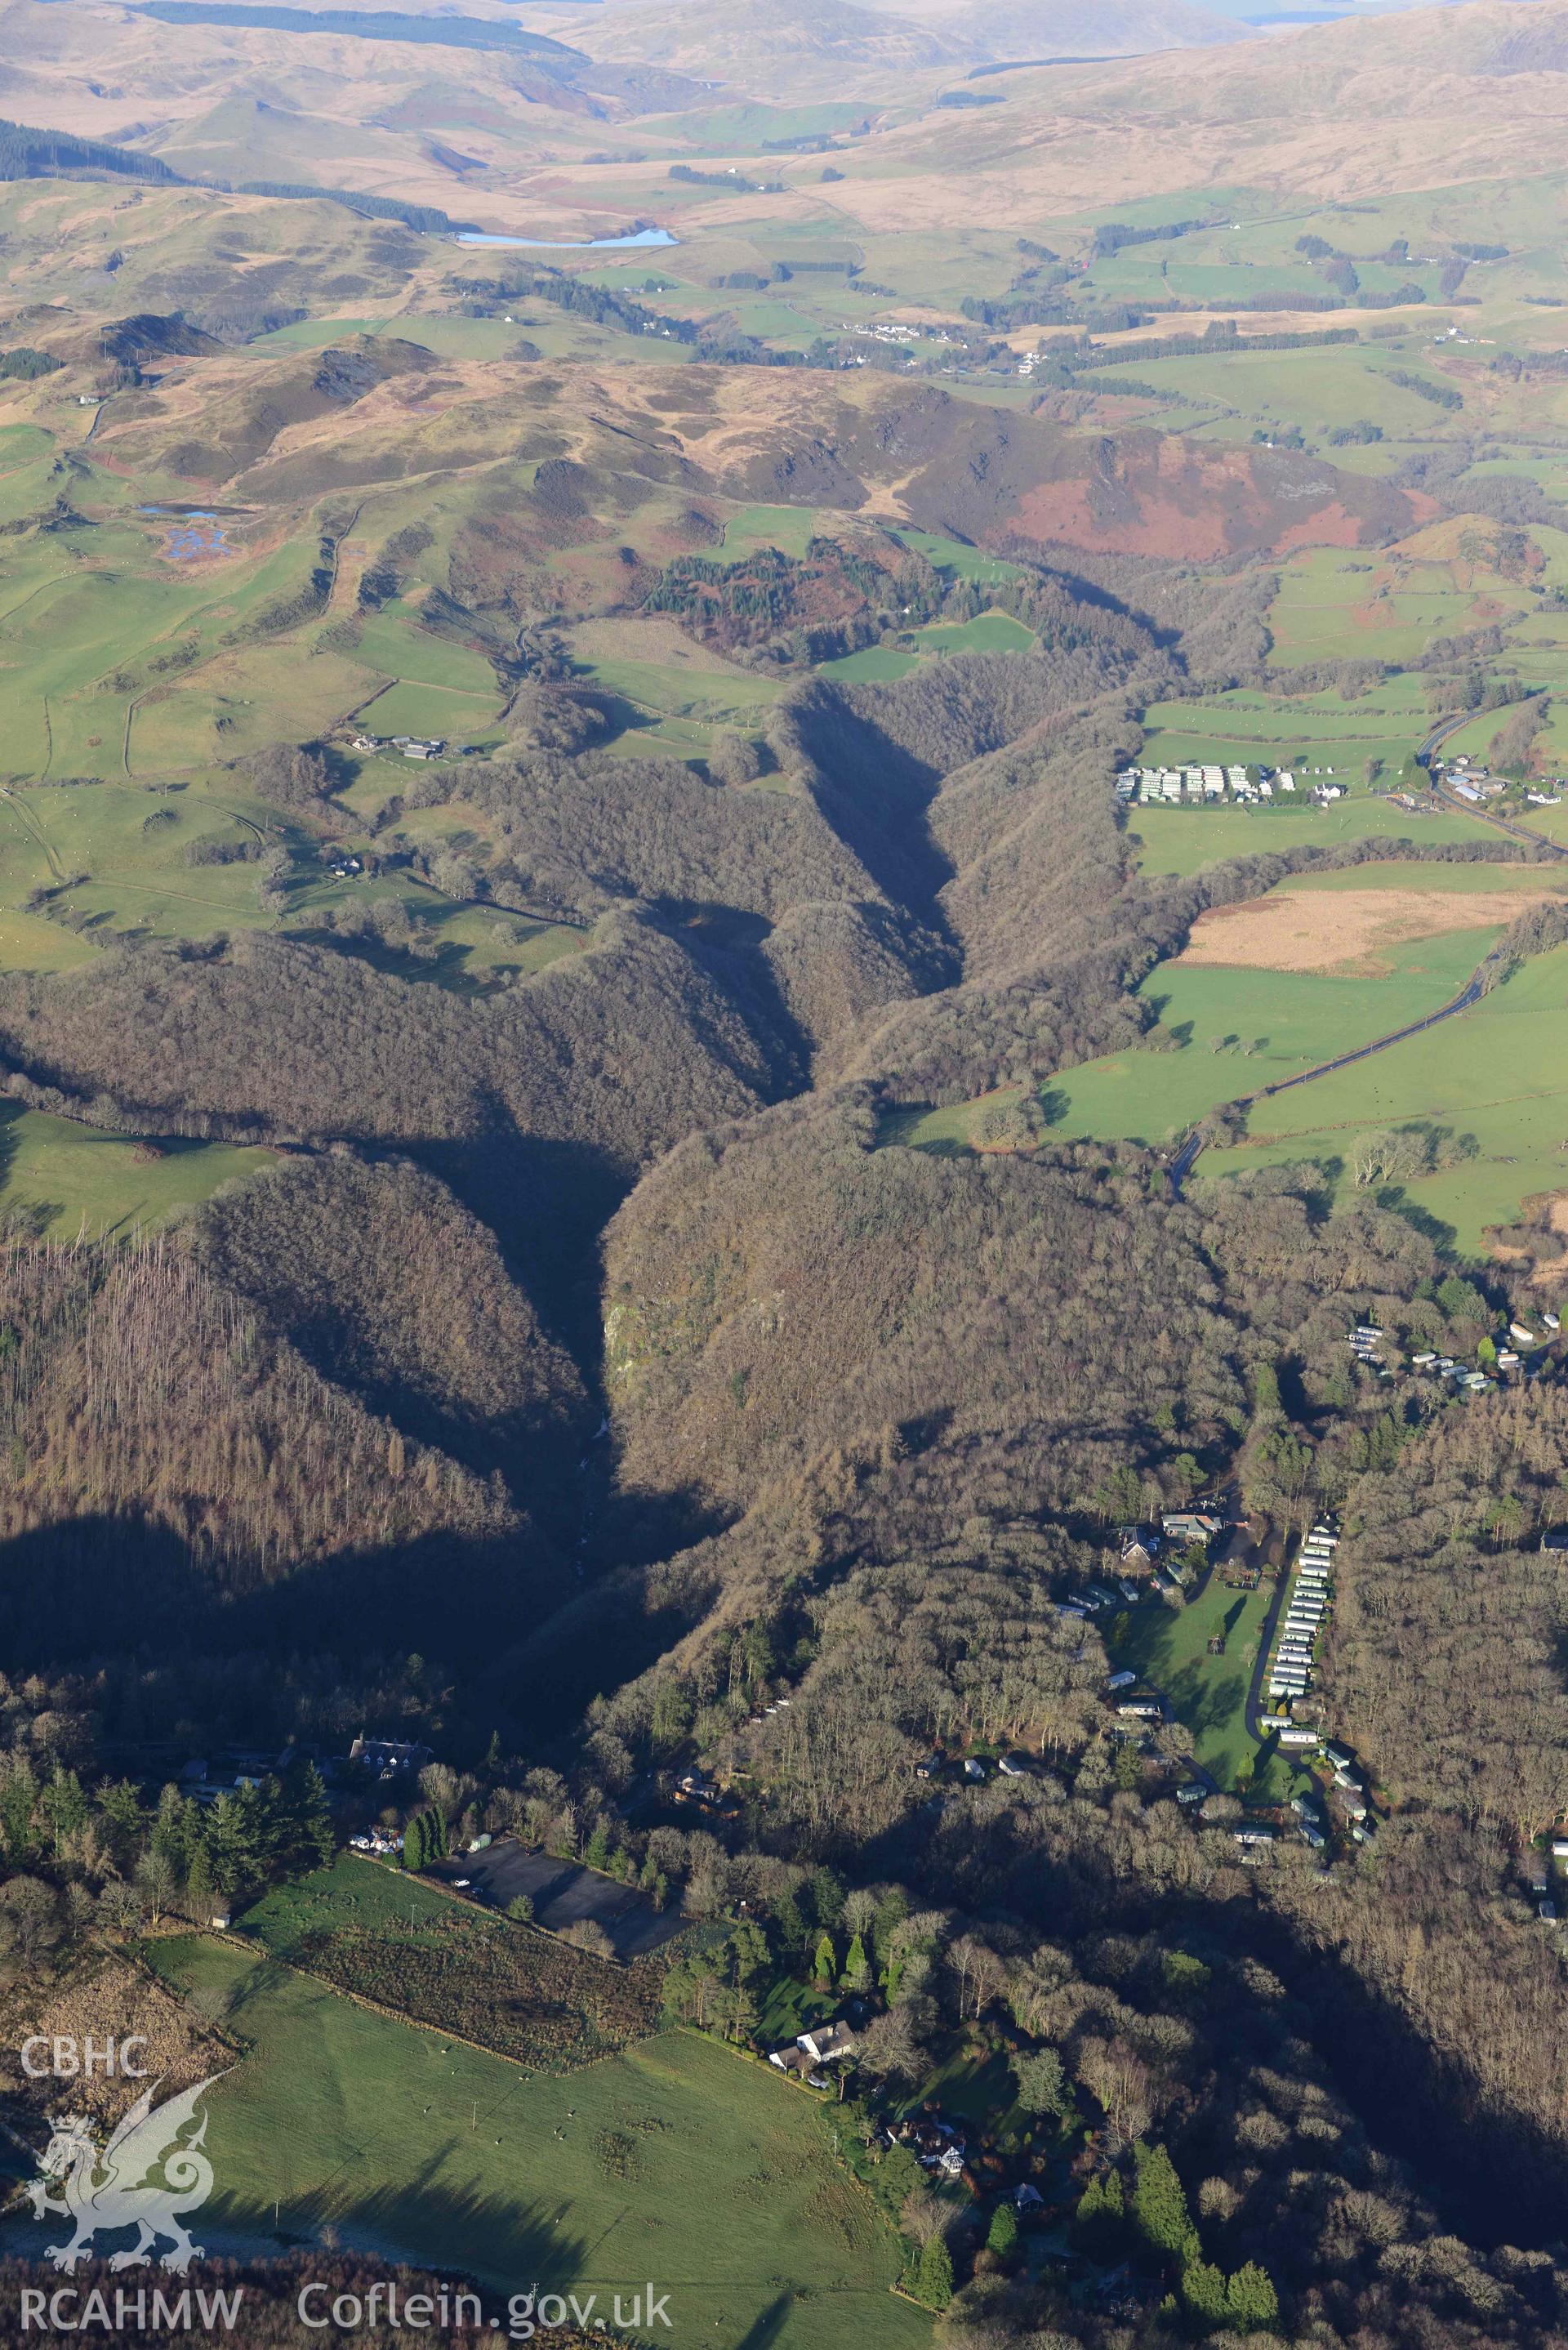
x,y
642,240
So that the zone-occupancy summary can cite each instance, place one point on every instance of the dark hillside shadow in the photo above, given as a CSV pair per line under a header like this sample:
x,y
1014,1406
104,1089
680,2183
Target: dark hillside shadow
x,y
511,1618
97,1588
546,1201
875,795
1495,2173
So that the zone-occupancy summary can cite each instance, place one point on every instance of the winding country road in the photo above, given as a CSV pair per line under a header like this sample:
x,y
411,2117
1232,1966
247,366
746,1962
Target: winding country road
x,y
1181,1166
1508,825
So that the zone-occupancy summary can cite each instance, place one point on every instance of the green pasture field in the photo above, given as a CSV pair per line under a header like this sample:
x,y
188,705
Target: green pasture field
x,y
1283,719
1550,543
957,560
428,710
349,1892
1535,653
1374,458
476,946
23,444
874,665
89,637
675,738
138,665
393,642
789,529
1497,1072
638,277
1552,743
1300,732
988,633
1170,1647
1477,737
129,842
769,316
237,702
935,266
1342,756
1212,283
91,1181
474,338
677,2160
1290,1020
1238,1030
1183,840
136,883
1204,203
1548,467
1552,822
453,338
741,129
1342,605
32,942
1334,383
316,334
664,691
1438,880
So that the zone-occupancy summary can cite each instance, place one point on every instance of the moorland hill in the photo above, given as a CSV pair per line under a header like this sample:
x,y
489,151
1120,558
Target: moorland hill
x,y
385,409
1410,99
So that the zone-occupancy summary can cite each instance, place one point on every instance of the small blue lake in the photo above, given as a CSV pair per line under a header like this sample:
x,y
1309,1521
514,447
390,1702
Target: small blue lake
x,y
639,241
194,533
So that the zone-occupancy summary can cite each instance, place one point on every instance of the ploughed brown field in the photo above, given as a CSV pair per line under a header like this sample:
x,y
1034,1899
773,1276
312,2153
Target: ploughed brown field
x,y
1345,930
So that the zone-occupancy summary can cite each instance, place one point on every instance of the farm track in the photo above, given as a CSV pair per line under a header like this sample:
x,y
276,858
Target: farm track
x,y
1181,1166
40,838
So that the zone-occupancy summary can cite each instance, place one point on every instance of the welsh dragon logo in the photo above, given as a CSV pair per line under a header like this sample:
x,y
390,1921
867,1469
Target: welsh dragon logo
x,y
101,2192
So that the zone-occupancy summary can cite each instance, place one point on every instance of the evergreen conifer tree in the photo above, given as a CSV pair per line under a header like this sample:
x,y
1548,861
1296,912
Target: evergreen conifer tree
x,y
1002,2236
1252,2305
856,1967
1159,2208
935,2284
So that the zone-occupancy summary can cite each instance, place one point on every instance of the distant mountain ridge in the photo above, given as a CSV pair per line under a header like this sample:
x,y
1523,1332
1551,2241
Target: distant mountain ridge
x,y
361,24
1026,30
745,41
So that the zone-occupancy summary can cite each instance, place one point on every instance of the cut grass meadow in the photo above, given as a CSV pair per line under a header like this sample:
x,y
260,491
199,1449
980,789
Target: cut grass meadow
x,y
1267,1024
1169,1649
675,2161
1183,840
65,1180
1236,1031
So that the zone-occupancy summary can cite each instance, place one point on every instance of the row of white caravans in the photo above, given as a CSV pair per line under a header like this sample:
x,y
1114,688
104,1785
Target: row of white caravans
x,y
1290,1675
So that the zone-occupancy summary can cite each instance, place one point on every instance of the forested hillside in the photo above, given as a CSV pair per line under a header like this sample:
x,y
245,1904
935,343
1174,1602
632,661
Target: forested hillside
x,y
783,1306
